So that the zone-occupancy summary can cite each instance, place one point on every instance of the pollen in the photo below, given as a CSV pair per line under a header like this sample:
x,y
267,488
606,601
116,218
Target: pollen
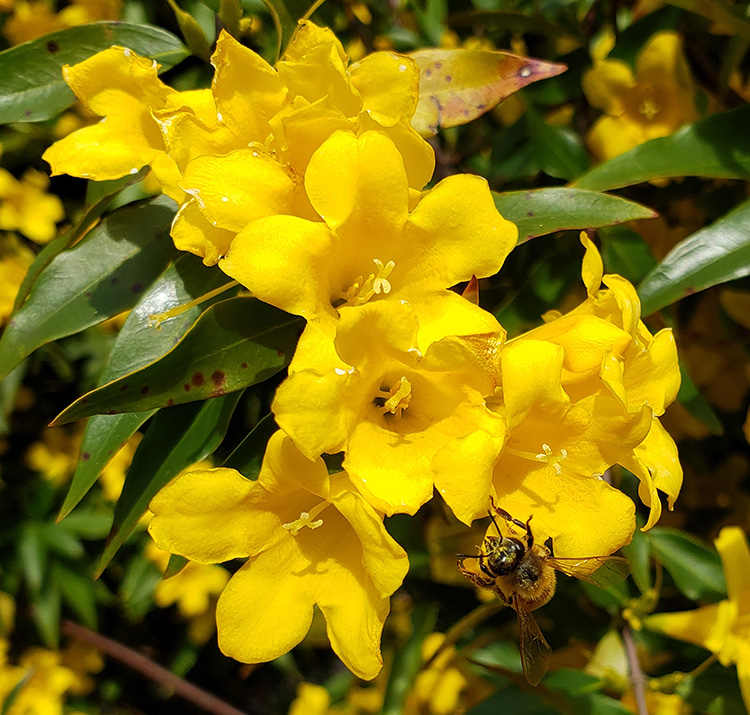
x,y
306,519
377,283
398,397
649,107
549,457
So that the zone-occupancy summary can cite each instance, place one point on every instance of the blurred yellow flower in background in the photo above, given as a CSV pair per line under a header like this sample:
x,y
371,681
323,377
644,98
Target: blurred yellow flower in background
x,y
652,102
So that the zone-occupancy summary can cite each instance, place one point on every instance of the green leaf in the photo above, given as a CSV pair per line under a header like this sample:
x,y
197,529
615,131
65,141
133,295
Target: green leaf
x,y
98,278
716,254
138,584
45,612
538,212
234,344
78,593
248,456
558,151
8,391
31,82
194,36
691,399
625,252
638,554
177,438
175,565
408,659
714,148
230,14
32,553
46,255
138,344
694,567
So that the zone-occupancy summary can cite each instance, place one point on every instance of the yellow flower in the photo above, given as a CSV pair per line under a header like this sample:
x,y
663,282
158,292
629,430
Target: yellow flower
x,y
15,259
125,90
724,627
407,421
82,660
311,700
311,539
34,19
55,455
557,450
26,206
370,247
610,356
654,102
47,682
271,121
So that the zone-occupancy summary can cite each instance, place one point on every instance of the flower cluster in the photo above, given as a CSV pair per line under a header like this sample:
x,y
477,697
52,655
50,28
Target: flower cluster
x,y
305,183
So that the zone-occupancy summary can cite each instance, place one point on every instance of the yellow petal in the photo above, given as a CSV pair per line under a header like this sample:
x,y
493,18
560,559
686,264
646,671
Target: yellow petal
x,y
192,232
389,85
606,85
455,232
612,136
358,186
706,626
659,453
187,511
237,188
735,557
247,89
110,80
266,609
662,59
592,269
653,377
284,261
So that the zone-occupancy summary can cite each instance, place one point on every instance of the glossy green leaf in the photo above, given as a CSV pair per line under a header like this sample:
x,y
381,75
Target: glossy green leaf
x,y
230,14
45,612
248,456
234,344
137,345
101,276
693,401
408,659
538,212
31,82
53,248
715,148
176,439
194,36
78,594
694,567
175,565
625,252
558,151
8,391
716,254
638,554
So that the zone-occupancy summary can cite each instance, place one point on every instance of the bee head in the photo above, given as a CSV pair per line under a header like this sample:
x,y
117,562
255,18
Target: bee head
x,y
503,553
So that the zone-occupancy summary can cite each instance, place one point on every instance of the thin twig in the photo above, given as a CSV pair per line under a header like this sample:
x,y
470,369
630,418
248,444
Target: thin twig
x,y
637,678
146,667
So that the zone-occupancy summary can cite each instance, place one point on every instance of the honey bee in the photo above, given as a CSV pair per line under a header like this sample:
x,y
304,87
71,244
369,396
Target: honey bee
x,y
522,574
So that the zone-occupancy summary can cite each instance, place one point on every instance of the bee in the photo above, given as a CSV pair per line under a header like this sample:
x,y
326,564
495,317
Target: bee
x,y
523,575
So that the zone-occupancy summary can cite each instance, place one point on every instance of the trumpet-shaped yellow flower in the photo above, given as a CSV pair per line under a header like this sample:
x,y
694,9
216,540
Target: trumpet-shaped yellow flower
x,y
653,103
125,90
557,451
311,539
608,348
271,121
407,421
26,206
46,683
370,247
724,627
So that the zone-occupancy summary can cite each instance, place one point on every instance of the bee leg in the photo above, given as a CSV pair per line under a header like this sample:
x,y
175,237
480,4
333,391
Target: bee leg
x,y
530,539
505,515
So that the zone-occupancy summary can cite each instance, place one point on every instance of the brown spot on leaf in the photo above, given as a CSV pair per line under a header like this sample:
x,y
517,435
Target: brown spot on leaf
x,y
53,47
197,379
123,387
85,457
218,378
170,402
145,390
136,288
187,387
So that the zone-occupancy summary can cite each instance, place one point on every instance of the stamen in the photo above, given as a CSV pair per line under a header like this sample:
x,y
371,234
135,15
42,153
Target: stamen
x,y
306,519
546,455
399,397
649,107
155,320
362,289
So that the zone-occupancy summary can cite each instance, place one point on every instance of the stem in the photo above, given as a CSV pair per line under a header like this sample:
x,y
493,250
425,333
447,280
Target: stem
x,y
637,678
158,318
146,667
465,624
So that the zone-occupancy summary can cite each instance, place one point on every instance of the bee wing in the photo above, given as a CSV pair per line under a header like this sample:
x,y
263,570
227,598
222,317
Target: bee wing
x,y
603,571
535,650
